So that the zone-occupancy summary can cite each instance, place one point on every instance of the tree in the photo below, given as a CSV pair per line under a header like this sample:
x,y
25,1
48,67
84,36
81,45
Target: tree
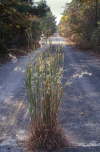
x,y
48,24
83,20
20,23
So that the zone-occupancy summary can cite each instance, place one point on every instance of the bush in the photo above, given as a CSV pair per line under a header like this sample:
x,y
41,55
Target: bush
x,y
95,39
20,23
80,20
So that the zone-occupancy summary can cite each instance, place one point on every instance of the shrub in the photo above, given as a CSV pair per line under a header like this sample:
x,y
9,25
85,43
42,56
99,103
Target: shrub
x,y
95,39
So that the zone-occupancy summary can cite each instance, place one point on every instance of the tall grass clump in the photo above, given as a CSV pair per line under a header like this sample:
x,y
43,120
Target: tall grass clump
x,y
44,90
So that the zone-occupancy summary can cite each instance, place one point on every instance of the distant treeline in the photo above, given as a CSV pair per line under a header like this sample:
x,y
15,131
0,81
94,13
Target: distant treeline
x,y
22,22
81,23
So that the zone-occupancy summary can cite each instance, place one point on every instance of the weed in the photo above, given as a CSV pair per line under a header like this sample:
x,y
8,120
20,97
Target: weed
x,y
44,90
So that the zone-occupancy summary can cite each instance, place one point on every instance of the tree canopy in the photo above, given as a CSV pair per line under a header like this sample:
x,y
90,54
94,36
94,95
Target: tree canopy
x,y
22,22
81,22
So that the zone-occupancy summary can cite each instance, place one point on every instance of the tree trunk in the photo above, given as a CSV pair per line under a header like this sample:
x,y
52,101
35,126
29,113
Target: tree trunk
x,y
96,13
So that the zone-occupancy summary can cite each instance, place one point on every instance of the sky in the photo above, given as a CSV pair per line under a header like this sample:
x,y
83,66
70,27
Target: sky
x,y
57,7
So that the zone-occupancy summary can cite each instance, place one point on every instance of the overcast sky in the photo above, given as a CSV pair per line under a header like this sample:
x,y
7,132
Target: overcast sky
x,y
57,7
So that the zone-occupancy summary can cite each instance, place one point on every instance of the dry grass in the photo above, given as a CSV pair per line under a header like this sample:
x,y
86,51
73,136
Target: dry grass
x,y
44,90
47,138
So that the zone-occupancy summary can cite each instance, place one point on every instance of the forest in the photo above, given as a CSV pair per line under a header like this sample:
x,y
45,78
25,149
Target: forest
x,y
21,24
81,23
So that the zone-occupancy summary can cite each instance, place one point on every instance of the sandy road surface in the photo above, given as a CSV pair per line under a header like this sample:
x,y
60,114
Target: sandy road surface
x,y
80,113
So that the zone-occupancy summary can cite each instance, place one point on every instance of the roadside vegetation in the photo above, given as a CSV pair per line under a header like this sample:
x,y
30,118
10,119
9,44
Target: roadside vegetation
x,y
21,24
44,90
81,23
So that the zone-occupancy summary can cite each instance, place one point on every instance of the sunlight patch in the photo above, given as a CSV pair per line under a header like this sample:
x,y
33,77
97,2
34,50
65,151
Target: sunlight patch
x,y
9,141
80,75
21,135
19,69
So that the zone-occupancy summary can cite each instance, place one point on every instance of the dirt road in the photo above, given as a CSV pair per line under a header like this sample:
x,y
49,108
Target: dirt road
x,y
80,113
